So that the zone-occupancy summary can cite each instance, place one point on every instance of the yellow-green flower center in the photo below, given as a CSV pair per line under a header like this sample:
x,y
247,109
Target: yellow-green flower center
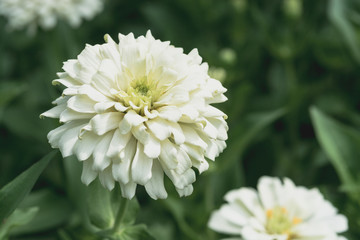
x,y
142,89
141,93
278,221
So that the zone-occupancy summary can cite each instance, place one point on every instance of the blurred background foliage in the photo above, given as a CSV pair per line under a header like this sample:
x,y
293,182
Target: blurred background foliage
x,y
292,72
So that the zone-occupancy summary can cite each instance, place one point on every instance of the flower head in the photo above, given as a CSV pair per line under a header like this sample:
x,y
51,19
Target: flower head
x,y
45,13
137,109
278,211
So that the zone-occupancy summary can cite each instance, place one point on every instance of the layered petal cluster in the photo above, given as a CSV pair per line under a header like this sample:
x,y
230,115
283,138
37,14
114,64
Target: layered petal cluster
x,y
137,109
45,13
278,211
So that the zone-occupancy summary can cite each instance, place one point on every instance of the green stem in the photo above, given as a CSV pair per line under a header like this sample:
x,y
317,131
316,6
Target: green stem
x,y
120,215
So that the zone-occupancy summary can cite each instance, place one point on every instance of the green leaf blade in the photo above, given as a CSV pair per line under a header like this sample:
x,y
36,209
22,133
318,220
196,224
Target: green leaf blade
x,y
14,192
340,143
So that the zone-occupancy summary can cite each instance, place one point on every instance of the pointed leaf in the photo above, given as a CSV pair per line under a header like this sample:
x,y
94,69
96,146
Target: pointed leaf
x,y
14,192
341,144
339,15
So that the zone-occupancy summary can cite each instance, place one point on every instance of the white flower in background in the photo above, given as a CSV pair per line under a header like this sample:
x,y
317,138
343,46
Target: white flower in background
x,y
45,13
278,211
136,110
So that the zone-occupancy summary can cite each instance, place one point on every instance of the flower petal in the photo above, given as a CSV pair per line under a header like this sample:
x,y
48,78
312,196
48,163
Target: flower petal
x,y
130,119
106,179
105,122
192,137
155,186
184,162
71,67
101,107
92,93
249,200
269,191
118,143
101,161
152,147
176,133
159,128
85,146
70,115
219,223
168,155
141,166
170,113
186,191
54,112
68,140
180,180
88,174
90,58
81,103
121,170
128,190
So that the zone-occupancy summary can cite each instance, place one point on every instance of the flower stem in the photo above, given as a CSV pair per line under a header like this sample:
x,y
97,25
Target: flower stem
x,y
120,214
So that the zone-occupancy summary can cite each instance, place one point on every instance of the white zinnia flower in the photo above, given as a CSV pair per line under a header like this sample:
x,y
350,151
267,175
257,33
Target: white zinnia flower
x,y
136,110
30,13
278,211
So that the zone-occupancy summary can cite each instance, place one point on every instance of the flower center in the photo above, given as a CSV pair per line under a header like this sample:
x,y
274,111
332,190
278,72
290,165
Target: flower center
x,y
140,94
142,89
279,222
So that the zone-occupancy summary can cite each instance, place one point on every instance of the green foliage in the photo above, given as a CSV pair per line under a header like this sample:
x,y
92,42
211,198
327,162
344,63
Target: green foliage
x,y
14,192
53,210
17,218
342,145
8,91
99,206
340,13
136,232
281,58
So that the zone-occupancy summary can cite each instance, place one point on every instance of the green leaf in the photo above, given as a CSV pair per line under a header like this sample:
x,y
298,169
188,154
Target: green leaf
x,y
338,13
53,211
14,192
17,218
99,205
137,232
341,144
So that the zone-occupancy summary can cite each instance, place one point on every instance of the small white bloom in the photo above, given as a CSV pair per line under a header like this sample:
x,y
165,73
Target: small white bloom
x,y
136,110
278,211
45,13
